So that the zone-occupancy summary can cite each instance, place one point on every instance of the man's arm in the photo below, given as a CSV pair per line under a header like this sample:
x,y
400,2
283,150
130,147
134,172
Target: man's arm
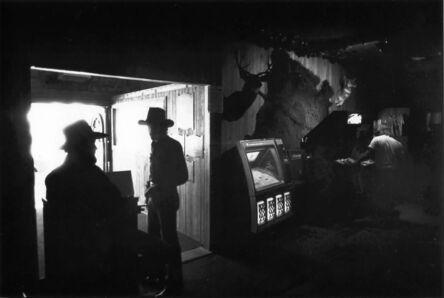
x,y
370,152
365,155
182,169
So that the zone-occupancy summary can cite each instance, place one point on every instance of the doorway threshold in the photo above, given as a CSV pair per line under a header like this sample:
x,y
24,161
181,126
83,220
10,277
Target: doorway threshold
x,y
194,254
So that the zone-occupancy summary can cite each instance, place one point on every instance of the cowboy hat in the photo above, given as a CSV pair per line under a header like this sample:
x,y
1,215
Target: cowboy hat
x,y
156,116
80,132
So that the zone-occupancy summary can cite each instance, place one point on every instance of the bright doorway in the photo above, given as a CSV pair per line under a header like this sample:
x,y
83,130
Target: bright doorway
x,y
114,105
47,121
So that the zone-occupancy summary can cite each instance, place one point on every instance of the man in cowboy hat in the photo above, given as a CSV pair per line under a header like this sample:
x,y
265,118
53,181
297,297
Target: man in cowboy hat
x,y
167,170
86,225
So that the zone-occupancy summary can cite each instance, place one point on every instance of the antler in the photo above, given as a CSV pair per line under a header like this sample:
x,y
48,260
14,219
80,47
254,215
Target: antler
x,y
242,72
263,76
245,75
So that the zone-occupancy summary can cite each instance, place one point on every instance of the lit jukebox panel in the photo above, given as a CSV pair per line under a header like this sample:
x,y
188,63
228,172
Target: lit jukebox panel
x,y
279,205
273,208
261,213
287,204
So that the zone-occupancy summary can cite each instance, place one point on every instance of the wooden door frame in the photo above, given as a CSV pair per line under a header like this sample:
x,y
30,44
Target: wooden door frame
x,y
205,210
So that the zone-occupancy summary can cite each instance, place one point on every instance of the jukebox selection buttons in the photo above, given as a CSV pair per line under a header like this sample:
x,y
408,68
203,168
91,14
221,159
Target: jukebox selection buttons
x,y
287,202
279,205
271,209
261,213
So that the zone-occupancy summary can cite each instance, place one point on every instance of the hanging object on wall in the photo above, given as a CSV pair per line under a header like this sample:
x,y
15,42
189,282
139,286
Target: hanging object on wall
x,y
433,119
185,121
185,108
236,104
392,121
98,125
347,86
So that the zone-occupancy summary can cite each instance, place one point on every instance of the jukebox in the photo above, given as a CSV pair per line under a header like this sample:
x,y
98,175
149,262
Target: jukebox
x,y
266,168
256,190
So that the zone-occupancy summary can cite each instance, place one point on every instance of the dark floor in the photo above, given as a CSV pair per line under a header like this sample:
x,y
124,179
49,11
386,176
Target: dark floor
x,y
187,243
372,256
335,247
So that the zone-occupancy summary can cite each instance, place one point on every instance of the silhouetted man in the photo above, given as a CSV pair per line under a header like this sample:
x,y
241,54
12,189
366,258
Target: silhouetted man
x,y
167,170
87,227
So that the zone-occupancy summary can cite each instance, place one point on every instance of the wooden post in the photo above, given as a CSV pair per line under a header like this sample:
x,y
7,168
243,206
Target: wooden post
x,y
18,232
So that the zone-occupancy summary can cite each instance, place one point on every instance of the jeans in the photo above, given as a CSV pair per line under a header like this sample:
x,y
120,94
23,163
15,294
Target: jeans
x,y
162,212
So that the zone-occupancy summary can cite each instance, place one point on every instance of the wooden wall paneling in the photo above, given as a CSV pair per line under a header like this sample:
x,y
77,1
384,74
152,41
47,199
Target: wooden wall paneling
x,y
206,202
332,72
192,194
200,105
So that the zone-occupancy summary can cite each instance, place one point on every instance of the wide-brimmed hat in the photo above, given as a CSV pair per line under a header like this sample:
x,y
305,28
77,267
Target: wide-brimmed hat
x,y
156,116
79,133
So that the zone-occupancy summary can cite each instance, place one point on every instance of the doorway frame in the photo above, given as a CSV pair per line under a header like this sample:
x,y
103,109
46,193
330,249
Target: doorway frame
x,y
205,211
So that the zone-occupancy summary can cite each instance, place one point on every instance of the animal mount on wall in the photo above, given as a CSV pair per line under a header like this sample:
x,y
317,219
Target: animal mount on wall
x,y
294,103
347,85
236,104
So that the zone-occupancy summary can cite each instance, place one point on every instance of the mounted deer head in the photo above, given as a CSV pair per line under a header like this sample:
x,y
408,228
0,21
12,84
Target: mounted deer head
x,y
253,81
236,104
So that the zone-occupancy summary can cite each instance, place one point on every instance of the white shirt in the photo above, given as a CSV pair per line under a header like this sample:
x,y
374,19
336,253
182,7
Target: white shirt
x,y
388,151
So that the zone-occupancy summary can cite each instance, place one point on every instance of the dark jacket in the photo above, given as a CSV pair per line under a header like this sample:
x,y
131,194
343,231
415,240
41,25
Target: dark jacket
x,y
86,223
168,168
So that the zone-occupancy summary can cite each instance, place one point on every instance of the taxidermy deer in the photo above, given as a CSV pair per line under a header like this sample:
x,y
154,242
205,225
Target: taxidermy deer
x,y
236,104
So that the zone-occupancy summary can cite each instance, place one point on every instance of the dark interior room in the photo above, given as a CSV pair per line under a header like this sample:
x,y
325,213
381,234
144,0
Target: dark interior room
x,y
221,148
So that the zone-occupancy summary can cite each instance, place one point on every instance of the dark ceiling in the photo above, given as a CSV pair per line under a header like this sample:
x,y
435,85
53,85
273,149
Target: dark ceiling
x,y
308,28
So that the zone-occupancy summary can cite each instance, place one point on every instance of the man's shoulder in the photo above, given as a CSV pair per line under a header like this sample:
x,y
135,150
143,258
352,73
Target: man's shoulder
x,y
375,141
173,142
66,172
55,174
380,137
97,175
97,170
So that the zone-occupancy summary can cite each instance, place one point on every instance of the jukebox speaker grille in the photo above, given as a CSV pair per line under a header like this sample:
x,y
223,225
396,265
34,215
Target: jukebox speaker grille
x,y
279,205
287,205
261,213
271,209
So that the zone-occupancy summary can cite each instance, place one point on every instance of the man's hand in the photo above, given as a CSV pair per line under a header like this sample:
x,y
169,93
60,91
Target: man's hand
x,y
352,161
140,208
149,190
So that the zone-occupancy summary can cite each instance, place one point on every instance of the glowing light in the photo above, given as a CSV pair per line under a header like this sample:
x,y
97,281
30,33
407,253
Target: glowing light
x,y
132,146
271,209
252,156
354,119
287,202
261,213
47,121
279,205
